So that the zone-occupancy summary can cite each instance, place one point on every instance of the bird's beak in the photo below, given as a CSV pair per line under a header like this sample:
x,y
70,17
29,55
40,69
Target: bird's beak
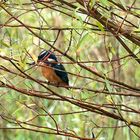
x,y
39,62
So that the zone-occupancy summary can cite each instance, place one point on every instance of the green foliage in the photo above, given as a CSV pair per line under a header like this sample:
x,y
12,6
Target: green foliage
x,y
104,2
90,43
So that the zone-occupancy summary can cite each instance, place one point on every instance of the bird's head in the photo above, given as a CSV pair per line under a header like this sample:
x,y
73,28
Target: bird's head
x,y
47,57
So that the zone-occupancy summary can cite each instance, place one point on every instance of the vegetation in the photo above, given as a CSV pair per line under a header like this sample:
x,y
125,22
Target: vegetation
x,y
98,42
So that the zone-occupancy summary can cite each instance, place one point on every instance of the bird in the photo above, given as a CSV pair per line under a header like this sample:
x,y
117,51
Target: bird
x,y
51,69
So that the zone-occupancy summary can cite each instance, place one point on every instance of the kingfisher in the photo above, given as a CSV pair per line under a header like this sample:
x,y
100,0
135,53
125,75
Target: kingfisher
x,y
51,69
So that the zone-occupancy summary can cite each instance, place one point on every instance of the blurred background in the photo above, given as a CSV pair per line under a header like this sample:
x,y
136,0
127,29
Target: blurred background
x,y
98,42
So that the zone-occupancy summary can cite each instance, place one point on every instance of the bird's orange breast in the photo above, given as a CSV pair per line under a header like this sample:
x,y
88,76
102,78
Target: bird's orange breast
x,y
49,73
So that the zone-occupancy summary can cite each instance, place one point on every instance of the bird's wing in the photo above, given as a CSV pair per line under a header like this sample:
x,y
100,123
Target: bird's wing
x,y
61,72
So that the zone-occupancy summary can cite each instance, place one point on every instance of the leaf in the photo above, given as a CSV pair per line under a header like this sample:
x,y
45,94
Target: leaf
x,y
101,27
128,120
18,109
109,100
136,51
34,58
108,86
4,44
84,39
136,30
123,4
75,14
104,2
22,64
91,3
99,133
